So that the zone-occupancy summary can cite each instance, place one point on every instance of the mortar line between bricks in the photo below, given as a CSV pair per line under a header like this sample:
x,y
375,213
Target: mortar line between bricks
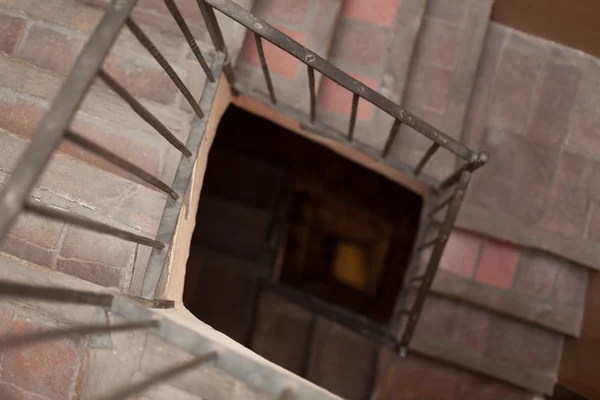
x,y
59,246
443,21
78,367
97,263
8,331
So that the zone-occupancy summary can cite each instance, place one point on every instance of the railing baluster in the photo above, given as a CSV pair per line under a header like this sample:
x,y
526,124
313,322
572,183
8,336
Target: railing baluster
x,y
143,112
265,68
440,206
174,10
21,340
355,99
157,378
313,94
431,242
49,132
90,224
430,152
54,294
147,43
393,132
119,162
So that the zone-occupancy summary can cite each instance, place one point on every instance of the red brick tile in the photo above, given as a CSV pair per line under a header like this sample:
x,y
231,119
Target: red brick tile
x,y
558,88
334,98
50,49
289,12
12,392
95,247
428,87
11,31
143,77
522,345
360,47
37,230
6,316
91,272
461,253
378,12
278,61
27,251
437,44
513,90
45,368
423,379
20,116
498,264
537,274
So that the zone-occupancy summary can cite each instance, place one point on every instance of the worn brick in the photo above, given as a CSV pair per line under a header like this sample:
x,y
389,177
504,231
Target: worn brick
x,y
585,118
12,392
139,152
86,245
558,87
50,49
27,251
334,98
423,379
451,11
359,47
377,12
461,253
472,327
517,165
437,44
45,368
11,31
571,284
142,76
18,114
278,61
92,272
523,345
537,274
569,202
513,90
437,318
427,87
37,230
288,12
498,264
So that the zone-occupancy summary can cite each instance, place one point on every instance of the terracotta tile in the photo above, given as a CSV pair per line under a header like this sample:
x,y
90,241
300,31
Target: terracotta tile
x,y
378,12
461,253
498,264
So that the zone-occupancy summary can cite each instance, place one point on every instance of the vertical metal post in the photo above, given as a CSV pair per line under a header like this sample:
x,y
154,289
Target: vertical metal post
x,y
430,152
265,68
393,132
313,95
355,99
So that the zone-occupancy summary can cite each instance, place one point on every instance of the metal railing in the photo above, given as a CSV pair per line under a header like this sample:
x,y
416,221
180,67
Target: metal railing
x,y
55,127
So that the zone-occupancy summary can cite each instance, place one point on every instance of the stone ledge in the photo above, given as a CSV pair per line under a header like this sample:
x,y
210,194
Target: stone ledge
x,y
506,228
471,361
559,318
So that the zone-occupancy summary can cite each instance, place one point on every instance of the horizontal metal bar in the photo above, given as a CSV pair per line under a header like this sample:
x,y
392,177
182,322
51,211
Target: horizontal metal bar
x,y
54,295
313,93
434,261
160,377
353,111
441,205
162,61
25,339
428,154
119,162
480,160
355,322
308,57
49,132
170,216
390,140
265,67
143,112
174,10
83,222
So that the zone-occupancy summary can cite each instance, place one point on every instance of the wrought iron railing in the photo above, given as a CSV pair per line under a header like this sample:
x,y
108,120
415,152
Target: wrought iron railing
x,y
55,126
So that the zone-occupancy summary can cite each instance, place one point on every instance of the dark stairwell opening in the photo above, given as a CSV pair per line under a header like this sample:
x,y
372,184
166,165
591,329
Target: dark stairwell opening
x,y
278,208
